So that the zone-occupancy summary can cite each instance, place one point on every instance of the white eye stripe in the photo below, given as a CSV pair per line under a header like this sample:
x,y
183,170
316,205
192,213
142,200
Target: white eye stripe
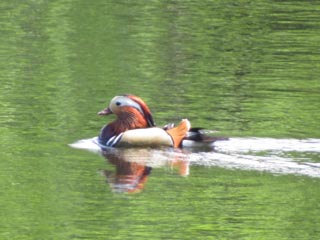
x,y
124,101
132,103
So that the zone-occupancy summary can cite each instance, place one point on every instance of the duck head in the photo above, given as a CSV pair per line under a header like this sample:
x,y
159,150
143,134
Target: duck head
x,y
131,110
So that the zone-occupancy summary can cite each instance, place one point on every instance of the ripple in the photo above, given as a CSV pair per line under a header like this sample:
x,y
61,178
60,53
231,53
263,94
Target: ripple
x,y
272,164
258,154
268,144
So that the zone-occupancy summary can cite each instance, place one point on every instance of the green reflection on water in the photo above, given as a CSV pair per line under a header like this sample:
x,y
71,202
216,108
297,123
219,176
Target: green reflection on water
x,y
246,69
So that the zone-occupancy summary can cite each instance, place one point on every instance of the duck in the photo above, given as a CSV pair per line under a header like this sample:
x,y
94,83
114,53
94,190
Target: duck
x,y
134,127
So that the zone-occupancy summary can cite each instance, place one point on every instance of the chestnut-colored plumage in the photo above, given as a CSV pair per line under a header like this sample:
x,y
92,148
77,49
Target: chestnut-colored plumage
x,y
131,112
134,126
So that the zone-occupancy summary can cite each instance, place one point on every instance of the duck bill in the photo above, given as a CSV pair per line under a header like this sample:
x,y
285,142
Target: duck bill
x,y
104,112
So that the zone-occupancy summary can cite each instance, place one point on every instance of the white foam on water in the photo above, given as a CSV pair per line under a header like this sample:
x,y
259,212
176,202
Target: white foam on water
x,y
259,154
89,144
242,153
268,144
272,164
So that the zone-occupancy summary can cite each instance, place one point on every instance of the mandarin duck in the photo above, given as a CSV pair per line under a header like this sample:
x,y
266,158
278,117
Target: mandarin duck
x,y
134,126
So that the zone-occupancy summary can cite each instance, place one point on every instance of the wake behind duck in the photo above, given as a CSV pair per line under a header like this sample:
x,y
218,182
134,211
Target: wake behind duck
x,y
134,127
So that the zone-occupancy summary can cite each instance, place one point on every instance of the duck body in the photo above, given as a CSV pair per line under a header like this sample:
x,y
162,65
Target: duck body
x,y
151,137
134,126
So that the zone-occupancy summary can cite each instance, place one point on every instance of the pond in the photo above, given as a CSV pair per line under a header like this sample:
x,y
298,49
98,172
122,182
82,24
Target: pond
x,y
245,70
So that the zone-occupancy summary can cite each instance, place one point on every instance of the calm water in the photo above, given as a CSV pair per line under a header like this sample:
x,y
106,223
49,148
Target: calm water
x,y
249,70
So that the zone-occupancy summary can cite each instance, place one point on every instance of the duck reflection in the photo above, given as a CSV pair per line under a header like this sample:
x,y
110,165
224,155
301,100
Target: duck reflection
x,y
133,166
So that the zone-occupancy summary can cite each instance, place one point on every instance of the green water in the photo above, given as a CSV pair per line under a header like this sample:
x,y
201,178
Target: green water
x,y
246,68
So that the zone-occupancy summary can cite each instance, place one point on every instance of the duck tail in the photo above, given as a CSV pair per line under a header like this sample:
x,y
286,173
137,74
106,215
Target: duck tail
x,y
179,132
200,136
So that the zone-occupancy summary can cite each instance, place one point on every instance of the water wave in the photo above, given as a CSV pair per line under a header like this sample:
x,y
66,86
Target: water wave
x,y
273,163
278,156
268,144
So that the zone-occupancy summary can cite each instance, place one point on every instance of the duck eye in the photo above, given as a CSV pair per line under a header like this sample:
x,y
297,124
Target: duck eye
x,y
118,103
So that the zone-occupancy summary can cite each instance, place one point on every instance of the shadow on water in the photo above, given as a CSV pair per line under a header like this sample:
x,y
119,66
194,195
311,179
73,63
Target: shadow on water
x,y
133,166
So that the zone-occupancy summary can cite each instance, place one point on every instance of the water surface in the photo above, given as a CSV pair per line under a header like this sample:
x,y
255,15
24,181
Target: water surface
x,y
249,70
